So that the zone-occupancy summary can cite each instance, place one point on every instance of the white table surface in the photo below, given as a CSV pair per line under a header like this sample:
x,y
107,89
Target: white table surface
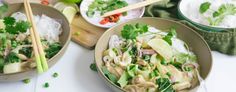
x,y
76,76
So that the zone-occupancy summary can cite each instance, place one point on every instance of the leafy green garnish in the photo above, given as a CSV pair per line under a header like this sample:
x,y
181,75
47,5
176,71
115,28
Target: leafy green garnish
x,y
154,73
164,85
12,58
109,75
105,6
93,67
204,7
14,27
218,15
131,70
170,35
131,32
26,51
224,10
9,21
53,50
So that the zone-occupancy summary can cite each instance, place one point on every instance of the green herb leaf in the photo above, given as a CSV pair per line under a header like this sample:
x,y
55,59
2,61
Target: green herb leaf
x,y
170,35
9,21
93,67
132,70
204,7
131,32
164,85
14,27
12,58
53,50
22,26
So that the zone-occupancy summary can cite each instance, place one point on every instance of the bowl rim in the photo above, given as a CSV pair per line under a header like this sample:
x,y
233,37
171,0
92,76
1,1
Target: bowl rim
x,y
58,54
84,16
154,18
207,26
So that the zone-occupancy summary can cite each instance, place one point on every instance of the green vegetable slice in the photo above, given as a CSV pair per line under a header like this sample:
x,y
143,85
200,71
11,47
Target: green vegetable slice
x,y
123,81
204,7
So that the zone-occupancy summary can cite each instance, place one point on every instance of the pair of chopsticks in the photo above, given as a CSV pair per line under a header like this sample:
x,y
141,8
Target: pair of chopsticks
x,y
131,7
39,53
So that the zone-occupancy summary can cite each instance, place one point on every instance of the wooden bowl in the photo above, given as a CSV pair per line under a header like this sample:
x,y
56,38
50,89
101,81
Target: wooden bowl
x,y
193,39
39,9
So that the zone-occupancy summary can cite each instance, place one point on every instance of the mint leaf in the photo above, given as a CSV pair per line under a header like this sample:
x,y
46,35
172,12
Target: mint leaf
x,y
204,7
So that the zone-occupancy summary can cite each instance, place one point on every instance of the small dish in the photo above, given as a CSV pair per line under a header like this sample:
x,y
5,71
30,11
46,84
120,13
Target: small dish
x,y
137,13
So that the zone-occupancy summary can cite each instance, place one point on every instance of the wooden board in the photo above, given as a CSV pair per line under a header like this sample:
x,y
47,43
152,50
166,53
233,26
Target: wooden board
x,y
85,33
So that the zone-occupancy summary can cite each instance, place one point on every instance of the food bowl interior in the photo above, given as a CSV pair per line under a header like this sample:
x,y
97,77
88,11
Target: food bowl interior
x,y
39,9
194,41
184,9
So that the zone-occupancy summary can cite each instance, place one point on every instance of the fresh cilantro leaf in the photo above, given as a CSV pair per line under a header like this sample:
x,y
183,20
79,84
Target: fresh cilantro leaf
x,y
53,50
14,27
164,85
22,26
12,58
223,11
131,32
170,35
9,21
204,7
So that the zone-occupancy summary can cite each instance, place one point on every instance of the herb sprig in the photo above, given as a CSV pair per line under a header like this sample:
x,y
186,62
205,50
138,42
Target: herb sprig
x,y
131,32
218,15
15,27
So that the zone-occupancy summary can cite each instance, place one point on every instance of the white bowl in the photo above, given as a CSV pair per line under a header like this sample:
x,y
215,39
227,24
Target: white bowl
x,y
136,13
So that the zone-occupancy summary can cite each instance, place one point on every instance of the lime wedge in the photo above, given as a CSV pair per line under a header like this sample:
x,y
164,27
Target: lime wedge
x,y
60,6
69,12
2,25
161,47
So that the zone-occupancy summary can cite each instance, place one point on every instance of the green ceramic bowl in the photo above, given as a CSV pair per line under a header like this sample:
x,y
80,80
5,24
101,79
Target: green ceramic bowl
x,y
193,39
201,26
39,9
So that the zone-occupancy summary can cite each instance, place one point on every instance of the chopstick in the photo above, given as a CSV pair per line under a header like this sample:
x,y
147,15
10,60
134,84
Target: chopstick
x,y
130,7
40,58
